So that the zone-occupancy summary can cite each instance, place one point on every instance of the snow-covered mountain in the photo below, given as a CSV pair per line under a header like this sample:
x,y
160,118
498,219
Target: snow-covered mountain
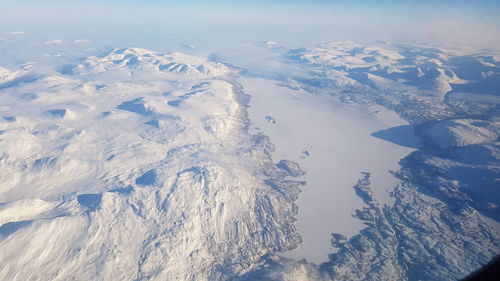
x,y
461,132
7,75
140,61
137,165
138,178
443,223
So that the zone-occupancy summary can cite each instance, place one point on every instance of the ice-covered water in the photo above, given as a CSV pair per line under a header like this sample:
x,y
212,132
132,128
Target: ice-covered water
x,y
333,143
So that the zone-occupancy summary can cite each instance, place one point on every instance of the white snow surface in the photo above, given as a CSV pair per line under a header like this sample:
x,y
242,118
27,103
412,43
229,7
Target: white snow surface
x,y
8,75
132,61
462,132
134,178
348,64
137,165
348,53
332,142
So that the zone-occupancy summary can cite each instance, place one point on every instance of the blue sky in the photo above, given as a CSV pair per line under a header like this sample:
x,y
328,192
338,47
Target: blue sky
x,y
465,7
292,22
386,4
468,9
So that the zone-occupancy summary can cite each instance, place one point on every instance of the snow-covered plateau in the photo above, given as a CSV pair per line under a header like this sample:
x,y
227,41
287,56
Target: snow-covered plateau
x,y
138,165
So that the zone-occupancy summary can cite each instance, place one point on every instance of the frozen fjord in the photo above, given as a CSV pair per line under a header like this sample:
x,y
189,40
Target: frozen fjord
x,y
332,142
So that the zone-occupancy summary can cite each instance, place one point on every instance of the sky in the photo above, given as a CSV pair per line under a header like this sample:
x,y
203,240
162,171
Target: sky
x,y
224,26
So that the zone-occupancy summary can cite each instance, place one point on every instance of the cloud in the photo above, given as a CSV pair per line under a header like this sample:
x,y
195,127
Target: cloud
x,y
81,41
270,44
54,42
17,32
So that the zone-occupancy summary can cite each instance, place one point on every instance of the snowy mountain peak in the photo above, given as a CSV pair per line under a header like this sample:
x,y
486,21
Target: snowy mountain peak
x,y
130,60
